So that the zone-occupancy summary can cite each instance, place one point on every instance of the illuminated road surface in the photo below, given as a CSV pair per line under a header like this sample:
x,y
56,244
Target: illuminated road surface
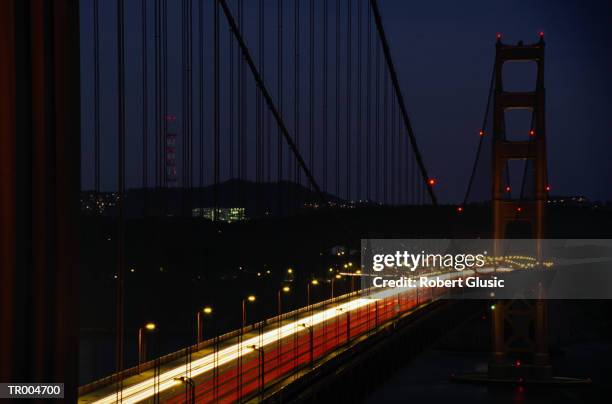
x,y
143,390
299,346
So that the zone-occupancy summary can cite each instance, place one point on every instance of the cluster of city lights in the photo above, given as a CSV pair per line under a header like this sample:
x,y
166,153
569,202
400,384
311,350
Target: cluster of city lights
x,y
518,261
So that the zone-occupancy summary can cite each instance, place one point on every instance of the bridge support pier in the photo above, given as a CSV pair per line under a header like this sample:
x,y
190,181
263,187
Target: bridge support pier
x,y
520,345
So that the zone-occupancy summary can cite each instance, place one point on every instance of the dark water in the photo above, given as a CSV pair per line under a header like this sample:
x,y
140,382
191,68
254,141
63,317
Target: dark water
x,y
427,379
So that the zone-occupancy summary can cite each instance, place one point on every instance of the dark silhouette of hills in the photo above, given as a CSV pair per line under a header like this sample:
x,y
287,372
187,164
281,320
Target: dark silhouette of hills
x,y
258,199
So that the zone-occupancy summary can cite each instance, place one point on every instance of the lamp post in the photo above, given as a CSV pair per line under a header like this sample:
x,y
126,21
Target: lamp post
x,y
338,276
188,381
141,342
262,362
357,272
200,321
284,289
313,282
250,299
279,304
311,339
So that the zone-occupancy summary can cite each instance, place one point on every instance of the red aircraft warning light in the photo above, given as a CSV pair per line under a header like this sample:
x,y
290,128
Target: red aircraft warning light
x,y
508,189
481,133
459,209
519,209
541,34
431,182
532,132
499,36
548,188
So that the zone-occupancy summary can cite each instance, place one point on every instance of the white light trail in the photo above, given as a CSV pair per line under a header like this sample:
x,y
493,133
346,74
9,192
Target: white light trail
x,y
145,389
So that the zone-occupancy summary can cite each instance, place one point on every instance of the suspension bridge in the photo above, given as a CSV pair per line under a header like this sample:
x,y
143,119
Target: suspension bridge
x,y
200,116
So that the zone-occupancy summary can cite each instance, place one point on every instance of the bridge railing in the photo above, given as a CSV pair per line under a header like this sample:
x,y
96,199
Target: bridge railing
x,y
162,360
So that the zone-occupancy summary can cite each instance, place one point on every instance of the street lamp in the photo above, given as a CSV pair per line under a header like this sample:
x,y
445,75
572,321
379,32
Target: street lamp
x,y
290,271
150,327
200,321
284,289
333,280
313,282
250,299
188,381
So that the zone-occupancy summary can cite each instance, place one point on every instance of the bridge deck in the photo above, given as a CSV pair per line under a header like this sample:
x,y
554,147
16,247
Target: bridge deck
x,y
234,370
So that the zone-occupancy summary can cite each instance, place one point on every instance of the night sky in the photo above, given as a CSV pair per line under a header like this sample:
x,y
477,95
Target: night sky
x,y
443,51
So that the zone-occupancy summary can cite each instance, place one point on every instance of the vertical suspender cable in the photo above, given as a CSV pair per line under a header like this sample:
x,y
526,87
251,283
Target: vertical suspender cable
x,y
121,194
259,129
165,91
267,123
385,117
201,101
337,99
184,113
279,150
296,84
187,106
231,108
358,132
369,109
240,102
216,107
324,92
157,92
190,103
377,125
258,106
391,154
96,40
311,92
403,166
349,84
243,109
145,102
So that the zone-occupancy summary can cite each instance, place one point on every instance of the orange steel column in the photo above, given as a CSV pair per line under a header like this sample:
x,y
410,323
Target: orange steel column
x,y
39,191
530,209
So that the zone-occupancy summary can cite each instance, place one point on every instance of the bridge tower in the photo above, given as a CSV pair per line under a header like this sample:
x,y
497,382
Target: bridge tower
x,y
519,326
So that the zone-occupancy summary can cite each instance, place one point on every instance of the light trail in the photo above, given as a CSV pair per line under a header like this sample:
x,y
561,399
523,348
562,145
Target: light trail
x,y
146,389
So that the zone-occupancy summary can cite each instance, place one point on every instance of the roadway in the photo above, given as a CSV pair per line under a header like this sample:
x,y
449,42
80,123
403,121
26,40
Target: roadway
x,y
233,369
